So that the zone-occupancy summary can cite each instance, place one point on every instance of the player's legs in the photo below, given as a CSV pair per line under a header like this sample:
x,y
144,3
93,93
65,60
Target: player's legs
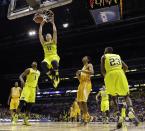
x,y
13,107
27,113
55,72
107,116
21,105
131,112
45,69
105,111
13,112
82,97
27,98
27,110
86,116
115,104
117,84
30,102
50,68
123,112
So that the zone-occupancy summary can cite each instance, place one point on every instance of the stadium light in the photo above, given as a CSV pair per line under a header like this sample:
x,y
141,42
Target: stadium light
x,y
32,33
65,25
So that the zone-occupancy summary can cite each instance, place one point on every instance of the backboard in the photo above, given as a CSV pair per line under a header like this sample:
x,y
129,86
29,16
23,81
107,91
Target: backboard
x,y
20,8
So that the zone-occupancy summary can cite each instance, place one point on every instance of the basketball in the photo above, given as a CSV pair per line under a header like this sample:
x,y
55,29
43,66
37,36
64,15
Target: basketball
x,y
38,18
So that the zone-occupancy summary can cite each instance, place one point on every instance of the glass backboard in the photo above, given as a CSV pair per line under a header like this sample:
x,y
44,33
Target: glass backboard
x,y
20,8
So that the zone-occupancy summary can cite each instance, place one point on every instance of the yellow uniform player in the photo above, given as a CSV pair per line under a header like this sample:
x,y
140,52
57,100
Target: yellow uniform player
x,y
123,110
84,87
72,114
50,64
104,104
76,110
30,86
14,101
115,79
113,69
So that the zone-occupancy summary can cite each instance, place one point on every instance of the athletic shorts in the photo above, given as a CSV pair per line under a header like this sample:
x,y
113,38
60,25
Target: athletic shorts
x,y
28,94
116,83
14,103
51,58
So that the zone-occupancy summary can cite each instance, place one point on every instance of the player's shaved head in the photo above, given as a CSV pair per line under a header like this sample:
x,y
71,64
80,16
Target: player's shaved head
x,y
108,50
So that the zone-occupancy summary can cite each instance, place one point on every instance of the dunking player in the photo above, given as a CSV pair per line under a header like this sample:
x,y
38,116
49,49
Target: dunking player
x,y
50,63
104,104
113,69
28,94
85,87
14,101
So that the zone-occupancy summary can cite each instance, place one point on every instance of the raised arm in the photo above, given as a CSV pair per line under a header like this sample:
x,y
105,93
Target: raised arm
x,y
24,74
103,71
54,30
41,38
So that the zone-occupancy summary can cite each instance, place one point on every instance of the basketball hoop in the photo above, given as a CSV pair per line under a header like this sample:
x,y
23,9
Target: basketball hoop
x,y
46,15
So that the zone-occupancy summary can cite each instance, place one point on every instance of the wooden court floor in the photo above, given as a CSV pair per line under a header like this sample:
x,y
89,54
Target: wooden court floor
x,y
60,126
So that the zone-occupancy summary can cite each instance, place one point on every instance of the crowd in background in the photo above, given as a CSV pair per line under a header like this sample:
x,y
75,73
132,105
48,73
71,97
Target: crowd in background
x,y
59,111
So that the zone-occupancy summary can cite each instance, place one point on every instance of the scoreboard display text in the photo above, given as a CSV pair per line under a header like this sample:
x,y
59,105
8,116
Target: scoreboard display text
x,y
96,4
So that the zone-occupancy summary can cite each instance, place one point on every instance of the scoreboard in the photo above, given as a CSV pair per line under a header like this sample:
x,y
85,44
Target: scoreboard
x,y
104,11
95,4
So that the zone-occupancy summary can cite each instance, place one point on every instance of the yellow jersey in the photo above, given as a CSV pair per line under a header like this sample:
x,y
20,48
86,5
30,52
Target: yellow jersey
x,y
15,92
104,96
32,78
49,48
85,76
112,62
